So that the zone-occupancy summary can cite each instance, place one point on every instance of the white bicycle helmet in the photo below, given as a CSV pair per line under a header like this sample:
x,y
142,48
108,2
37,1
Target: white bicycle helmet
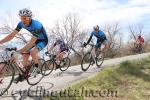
x,y
96,27
25,12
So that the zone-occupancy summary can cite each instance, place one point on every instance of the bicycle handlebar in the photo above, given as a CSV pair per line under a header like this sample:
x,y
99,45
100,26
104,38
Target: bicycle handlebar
x,y
88,44
11,49
91,44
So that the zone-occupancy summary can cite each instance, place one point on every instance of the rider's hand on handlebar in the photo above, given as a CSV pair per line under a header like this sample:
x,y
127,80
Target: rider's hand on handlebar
x,y
47,52
84,44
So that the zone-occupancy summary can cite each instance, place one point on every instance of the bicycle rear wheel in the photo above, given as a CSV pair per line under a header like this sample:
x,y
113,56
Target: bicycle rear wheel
x,y
47,67
32,79
86,59
6,77
99,59
66,64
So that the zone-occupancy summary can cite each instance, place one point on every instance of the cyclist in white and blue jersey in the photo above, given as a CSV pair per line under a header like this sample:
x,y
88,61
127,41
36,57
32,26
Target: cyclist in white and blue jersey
x,y
38,41
63,49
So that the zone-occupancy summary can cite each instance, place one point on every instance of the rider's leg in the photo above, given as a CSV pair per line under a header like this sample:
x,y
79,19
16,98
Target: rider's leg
x,y
93,52
140,47
61,55
58,57
35,57
34,52
98,45
105,45
24,62
25,59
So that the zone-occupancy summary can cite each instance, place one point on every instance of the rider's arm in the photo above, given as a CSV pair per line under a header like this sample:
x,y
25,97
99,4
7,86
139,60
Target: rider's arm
x,y
89,39
9,37
51,48
12,35
29,45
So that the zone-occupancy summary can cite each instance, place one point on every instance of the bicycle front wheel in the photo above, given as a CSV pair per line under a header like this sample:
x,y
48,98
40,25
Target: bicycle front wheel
x,y
66,64
6,77
86,61
34,79
47,67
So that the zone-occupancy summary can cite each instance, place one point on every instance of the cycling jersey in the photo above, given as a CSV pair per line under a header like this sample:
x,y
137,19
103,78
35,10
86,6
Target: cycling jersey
x,y
35,28
62,45
140,40
100,36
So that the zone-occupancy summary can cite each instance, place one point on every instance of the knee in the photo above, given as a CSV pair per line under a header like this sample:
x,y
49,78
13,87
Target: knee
x,y
107,46
58,55
25,56
33,53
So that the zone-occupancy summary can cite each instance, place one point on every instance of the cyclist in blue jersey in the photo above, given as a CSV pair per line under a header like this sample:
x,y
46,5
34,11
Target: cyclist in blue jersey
x,y
63,49
38,41
101,39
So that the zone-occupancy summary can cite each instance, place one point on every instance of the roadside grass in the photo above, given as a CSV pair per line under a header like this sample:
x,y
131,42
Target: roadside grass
x,y
129,80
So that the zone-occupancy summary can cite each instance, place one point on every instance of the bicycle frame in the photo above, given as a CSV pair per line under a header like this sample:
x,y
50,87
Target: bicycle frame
x,y
12,62
54,56
97,50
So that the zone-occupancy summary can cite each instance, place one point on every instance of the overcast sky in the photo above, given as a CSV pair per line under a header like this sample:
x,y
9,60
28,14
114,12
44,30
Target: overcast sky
x,y
92,12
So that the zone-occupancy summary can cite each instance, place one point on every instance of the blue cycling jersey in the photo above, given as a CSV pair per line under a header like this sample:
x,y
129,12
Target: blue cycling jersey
x,y
98,35
35,28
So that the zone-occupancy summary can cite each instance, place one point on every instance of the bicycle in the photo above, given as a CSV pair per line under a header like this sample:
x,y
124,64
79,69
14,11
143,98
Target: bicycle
x,y
50,64
87,58
9,68
138,48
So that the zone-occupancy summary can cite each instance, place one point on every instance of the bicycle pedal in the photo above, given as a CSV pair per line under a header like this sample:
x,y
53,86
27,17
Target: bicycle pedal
x,y
16,81
58,66
34,76
92,63
38,72
19,79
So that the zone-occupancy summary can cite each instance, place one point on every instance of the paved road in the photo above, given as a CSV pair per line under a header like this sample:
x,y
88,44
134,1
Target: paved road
x,y
59,80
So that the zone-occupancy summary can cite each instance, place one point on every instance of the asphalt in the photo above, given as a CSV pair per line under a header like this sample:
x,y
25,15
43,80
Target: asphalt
x,y
58,80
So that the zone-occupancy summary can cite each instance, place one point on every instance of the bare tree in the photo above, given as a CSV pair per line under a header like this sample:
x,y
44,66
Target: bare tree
x,y
69,30
9,24
114,35
135,31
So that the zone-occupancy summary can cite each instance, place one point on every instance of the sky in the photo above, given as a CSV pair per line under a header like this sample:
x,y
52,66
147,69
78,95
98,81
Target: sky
x,y
91,12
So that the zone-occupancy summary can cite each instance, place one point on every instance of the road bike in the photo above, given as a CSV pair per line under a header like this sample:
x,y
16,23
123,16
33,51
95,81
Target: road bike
x,y
9,69
88,59
51,64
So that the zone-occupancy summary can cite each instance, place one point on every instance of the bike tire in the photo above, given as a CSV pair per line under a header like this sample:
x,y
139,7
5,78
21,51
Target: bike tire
x,y
31,80
86,59
47,67
66,66
99,61
11,74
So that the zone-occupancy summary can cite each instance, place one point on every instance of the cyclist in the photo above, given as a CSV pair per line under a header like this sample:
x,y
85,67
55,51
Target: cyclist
x,y
38,41
139,42
63,49
101,39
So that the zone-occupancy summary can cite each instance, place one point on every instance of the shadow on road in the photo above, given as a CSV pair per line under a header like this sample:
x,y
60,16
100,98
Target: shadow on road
x,y
36,92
